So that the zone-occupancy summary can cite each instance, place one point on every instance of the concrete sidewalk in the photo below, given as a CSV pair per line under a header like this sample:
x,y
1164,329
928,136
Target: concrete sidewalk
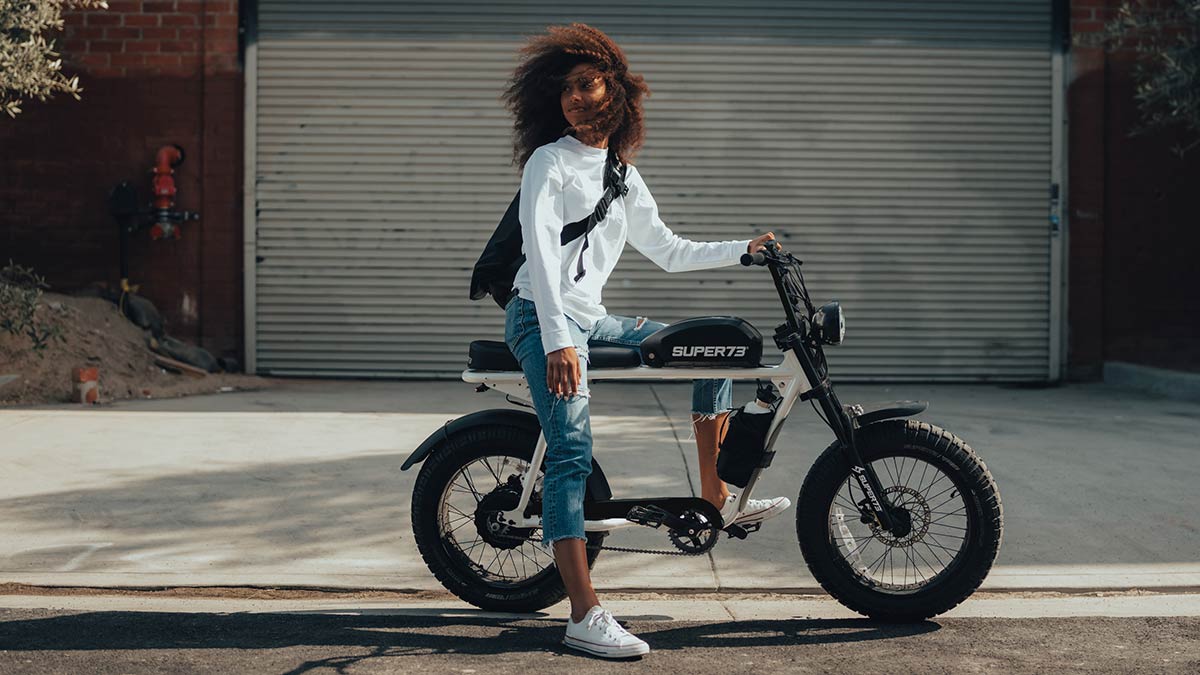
x,y
679,607
300,486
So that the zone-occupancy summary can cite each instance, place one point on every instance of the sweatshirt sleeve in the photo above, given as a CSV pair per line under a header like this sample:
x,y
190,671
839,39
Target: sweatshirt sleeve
x,y
653,239
541,226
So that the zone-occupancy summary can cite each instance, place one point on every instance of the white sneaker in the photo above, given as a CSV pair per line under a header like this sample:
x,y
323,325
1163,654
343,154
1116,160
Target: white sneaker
x,y
600,634
757,510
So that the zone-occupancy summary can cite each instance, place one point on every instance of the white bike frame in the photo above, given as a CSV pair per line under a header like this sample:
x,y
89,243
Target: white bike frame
x,y
788,377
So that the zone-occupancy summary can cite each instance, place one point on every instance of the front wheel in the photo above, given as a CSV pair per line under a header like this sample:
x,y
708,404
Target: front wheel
x,y
950,516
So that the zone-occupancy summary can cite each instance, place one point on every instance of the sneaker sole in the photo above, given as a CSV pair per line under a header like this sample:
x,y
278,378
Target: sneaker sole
x,y
608,652
765,514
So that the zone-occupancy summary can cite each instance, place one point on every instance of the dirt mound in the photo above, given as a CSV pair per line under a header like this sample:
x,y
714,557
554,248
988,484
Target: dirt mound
x,y
95,334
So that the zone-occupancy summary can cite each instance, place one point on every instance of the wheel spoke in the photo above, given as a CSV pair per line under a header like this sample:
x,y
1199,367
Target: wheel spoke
x,y
935,553
951,527
454,487
888,469
526,556
466,473
879,560
492,564
917,553
930,498
936,545
852,507
939,523
459,526
910,472
938,477
487,463
470,552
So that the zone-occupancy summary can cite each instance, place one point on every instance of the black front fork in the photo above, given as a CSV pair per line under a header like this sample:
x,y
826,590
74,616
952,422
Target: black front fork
x,y
868,480
789,337
843,427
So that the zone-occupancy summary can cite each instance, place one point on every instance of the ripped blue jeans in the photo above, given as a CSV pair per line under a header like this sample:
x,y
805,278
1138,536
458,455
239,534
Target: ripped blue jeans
x,y
566,422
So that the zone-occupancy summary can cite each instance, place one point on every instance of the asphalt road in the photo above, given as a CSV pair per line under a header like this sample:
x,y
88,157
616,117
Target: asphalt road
x,y
51,641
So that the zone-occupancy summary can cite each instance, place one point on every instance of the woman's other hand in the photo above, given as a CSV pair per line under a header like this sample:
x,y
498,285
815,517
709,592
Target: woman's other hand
x,y
759,243
562,372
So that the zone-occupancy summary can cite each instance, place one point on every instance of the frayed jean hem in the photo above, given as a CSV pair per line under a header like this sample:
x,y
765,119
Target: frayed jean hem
x,y
706,416
548,544
701,416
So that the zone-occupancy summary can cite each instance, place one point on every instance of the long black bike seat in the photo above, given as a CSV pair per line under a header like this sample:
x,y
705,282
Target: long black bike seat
x,y
495,355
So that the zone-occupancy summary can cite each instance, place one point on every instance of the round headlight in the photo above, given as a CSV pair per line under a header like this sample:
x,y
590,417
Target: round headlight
x,y
830,323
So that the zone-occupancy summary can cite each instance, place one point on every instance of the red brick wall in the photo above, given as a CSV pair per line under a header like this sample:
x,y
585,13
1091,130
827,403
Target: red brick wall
x,y
153,73
1134,211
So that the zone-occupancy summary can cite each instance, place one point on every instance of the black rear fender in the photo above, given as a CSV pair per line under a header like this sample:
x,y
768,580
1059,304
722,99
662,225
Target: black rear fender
x,y
597,484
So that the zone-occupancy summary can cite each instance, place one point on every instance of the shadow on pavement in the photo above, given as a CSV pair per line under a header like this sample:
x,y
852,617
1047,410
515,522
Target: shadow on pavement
x,y
403,635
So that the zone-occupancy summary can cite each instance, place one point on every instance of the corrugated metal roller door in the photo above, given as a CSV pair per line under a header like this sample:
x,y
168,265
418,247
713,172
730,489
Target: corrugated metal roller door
x,y
903,149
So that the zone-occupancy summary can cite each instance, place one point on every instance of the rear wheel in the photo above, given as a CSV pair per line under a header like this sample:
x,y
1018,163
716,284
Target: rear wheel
x,y
949,512
459,495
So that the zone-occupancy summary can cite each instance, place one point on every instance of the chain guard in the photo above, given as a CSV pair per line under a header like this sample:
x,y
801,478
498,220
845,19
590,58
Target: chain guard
x,y
707,518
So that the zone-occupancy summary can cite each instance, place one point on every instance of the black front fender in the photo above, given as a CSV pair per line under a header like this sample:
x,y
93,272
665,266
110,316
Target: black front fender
x,y
869,413
597,484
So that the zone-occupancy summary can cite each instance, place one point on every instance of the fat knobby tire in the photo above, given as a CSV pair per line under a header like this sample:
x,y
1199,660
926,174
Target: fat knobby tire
x,y
945,451
458,450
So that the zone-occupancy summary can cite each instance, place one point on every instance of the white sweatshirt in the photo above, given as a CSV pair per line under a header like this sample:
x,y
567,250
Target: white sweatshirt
x,y
561,184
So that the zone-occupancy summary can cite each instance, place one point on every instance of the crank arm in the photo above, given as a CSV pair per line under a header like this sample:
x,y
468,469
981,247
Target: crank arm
x,y
654,516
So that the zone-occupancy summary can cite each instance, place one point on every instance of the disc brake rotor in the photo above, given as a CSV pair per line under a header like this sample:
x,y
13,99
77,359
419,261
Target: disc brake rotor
x,y
911,506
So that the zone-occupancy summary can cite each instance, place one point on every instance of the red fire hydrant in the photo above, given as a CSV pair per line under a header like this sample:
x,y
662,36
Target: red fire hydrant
x,y
168,157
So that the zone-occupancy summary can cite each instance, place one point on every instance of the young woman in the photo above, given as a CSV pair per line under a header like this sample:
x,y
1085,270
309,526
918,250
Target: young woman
x,y
573,98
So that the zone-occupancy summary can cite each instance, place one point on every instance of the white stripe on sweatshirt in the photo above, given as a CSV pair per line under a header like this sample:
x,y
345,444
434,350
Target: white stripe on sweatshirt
x,y
561,184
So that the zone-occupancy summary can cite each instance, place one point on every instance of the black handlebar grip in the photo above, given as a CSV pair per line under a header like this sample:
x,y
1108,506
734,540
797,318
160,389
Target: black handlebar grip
x,y
758,258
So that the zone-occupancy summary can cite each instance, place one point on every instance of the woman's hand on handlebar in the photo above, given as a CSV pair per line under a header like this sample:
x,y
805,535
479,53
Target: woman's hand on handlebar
x,y
563,372
759,243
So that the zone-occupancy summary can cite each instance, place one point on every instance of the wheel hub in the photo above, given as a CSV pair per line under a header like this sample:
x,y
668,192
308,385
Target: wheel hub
x,y
910,514
489,519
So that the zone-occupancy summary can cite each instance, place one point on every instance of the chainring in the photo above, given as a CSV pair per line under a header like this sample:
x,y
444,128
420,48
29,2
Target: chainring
x,y
697,540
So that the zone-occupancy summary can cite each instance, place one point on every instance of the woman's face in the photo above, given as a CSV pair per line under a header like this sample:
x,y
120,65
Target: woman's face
x,y
583,91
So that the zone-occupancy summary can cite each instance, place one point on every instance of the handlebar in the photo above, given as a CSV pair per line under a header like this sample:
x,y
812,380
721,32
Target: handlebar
x,y
758,258
789,282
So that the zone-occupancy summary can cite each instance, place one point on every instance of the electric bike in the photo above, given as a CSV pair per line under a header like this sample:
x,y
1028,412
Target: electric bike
x,y
897,519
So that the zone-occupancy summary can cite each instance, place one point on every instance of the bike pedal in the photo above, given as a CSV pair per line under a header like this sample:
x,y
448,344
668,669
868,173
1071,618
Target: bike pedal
x,y
740,531
645,516
736,531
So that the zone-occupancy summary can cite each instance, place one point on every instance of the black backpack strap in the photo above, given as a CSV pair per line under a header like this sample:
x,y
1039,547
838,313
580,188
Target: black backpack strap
x,y
614,185
501,257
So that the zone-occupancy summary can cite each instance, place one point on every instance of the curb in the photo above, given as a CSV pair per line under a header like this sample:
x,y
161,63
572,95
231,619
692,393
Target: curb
x,y
1173,384
708,610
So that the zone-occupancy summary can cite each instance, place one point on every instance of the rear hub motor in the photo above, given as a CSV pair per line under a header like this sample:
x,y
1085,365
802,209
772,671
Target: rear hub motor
x,y
490,523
